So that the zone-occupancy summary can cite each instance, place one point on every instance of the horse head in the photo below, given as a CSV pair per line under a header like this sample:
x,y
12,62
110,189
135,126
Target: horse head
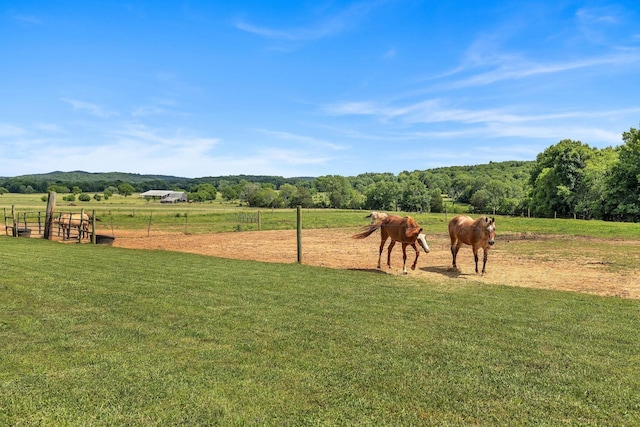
x,y
422,238
490,228
419,236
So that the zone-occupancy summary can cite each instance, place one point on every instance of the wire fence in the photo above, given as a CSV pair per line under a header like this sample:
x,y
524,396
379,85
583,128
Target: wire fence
x,y
128,222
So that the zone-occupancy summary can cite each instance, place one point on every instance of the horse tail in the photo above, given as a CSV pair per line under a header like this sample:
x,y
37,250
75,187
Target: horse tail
x,y
368,231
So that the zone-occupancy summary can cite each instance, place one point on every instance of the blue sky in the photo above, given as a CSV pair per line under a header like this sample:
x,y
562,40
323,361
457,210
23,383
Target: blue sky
x,y
309,88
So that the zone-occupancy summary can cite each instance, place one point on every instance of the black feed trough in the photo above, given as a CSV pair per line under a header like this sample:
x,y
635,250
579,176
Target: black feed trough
x,y
24,232
103,239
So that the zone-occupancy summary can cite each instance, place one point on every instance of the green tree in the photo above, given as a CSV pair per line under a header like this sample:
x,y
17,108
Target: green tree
x,y
264,196
248,190
497,192
203,193
356,200
338,188
57,188
591,197
230,191
480,200
383,195
623,189
125,189
437,202
303,197
415,196
287,193
461,182
3,191
557,176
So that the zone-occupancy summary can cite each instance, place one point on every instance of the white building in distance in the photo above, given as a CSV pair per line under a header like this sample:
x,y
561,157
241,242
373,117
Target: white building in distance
x,y
166,196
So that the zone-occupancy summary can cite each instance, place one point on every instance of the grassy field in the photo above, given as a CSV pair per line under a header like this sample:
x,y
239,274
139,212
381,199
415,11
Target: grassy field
x,y
132,212
97,335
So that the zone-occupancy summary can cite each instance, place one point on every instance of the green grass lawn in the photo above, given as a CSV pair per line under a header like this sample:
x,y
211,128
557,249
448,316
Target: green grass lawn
x,y
97,335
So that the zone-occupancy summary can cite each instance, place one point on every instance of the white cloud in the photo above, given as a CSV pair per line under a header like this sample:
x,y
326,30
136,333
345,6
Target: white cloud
x,y
10,131
92,109
28,19
521,69
307,140
160,144
327,26
152,109
391,53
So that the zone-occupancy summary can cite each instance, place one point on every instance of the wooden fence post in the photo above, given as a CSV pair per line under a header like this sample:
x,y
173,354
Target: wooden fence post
x,y
51,204
14,222
80,231
93,226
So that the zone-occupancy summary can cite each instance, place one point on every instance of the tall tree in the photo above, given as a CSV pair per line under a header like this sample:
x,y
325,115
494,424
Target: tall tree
x,y
383,195
338,188
415,196
623,192
591,196
126,189
557,177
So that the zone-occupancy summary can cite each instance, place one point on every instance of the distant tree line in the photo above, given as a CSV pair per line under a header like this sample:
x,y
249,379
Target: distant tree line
x,y
568,179
571,178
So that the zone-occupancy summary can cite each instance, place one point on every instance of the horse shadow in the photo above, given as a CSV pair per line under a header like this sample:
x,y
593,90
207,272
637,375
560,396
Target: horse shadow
x,y
445,271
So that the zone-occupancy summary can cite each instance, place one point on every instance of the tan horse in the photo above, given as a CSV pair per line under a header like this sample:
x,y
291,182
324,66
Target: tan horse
x,y
480,233
404,230
67,221
377,216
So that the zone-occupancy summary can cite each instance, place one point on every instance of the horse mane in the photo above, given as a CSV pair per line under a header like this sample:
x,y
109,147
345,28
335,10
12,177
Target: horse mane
x,y
484,218
411,223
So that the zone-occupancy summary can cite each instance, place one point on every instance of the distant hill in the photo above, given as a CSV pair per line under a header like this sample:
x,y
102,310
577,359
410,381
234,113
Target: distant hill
x,y
81,176
94,182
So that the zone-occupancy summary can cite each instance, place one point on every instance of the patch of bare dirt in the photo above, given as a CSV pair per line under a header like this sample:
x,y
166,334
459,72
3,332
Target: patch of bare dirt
x,y
334,248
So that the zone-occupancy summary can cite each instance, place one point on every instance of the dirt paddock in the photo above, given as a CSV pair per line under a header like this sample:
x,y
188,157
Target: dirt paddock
x,y
588,272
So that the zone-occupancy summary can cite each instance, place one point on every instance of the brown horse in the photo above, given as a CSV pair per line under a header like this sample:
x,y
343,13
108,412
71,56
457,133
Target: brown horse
x,y
480,233
404,230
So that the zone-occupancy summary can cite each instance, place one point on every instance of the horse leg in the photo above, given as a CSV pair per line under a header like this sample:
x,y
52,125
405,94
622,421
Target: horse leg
x,y
391,245
404,258
454,252
484,261
383,240
415,262
475,257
